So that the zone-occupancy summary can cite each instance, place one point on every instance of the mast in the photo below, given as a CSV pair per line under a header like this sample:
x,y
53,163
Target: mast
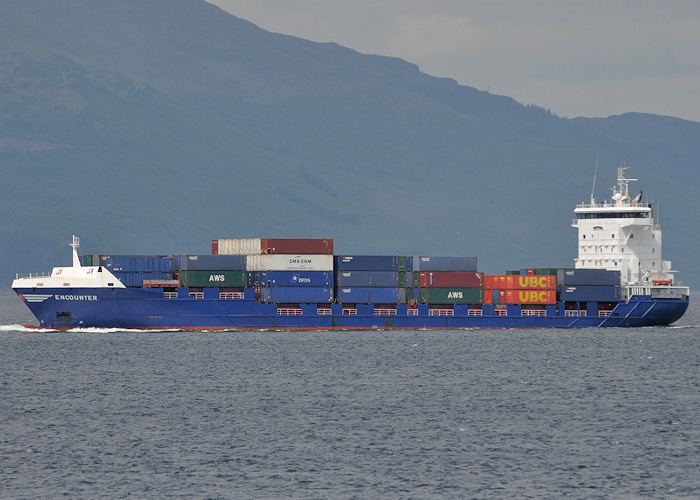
x,y
75,244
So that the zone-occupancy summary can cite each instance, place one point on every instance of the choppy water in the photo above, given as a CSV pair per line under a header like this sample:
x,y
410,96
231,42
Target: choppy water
x,y
398,414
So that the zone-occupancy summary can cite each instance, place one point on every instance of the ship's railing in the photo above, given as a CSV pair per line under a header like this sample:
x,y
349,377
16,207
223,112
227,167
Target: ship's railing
x,y
658,291
606,204
323,311
441,312
33,275
533,312
385,311
289,311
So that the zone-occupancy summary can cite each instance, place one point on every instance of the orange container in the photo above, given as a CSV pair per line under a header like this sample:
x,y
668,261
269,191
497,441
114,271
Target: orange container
x,y
529,297
533,282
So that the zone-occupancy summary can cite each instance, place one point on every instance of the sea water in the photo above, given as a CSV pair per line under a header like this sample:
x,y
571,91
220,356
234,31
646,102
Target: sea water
x,y
592,413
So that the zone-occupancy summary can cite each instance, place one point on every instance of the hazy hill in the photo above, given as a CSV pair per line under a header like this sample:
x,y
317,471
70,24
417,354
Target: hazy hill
x,y
156,126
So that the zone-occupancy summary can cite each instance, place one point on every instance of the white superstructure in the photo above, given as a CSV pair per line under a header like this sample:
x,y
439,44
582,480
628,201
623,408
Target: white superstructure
x,y
621,235
76,276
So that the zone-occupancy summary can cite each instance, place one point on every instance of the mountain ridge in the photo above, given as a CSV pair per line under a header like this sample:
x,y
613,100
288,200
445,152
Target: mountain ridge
x,y
168,123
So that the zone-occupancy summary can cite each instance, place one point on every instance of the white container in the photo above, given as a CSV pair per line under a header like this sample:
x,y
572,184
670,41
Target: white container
x,y
240,246
289,262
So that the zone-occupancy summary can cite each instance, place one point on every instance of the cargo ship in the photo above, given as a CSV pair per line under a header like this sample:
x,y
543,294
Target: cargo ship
x,y
618,280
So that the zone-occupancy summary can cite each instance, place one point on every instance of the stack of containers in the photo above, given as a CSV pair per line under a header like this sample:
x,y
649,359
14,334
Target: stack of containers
x,y
448,281
285,271
227,272
522,289
588,285
133,270
373,279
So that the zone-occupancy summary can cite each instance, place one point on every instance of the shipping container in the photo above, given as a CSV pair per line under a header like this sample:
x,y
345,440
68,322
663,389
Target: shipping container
x,y
296,295
369,278
322,279
297,245
546,271
211,279
238,246
451,295
534,297
499,282
588,293
209,262
370,295
520,282
370,263
291,262
533,282
136,278
587,277
456,279
421,263
214,247
136,263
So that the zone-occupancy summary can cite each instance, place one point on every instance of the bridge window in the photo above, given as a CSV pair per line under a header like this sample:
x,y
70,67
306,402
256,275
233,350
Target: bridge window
x,y
613,215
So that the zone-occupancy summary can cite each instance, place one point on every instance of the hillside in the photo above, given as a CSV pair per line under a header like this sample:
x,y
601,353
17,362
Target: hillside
x,y
153,127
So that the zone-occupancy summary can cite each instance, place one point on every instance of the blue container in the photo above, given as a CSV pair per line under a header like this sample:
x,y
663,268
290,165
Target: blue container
x,y
296,295
589,277
370,295
135,279
367,278
366,263
587,293
209,262
323,279
136,263
421,263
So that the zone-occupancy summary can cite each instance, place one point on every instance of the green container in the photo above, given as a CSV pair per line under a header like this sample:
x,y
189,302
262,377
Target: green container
x,y
452,295
402,263
546,271
87,260
213,279
512,273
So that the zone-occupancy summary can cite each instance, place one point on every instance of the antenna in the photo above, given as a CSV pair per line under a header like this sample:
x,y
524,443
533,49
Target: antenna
x,y
594,177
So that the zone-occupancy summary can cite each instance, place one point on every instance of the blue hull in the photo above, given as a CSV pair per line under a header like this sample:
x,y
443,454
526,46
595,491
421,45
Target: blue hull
x,y
144,308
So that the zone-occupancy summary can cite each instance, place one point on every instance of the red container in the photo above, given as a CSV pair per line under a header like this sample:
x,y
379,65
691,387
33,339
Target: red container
x,y
539,297
214,247
296,245
533,282
451,279
497,282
